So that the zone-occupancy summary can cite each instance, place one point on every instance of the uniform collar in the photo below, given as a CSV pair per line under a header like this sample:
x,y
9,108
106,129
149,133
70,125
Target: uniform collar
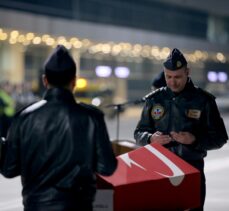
x,y
59,94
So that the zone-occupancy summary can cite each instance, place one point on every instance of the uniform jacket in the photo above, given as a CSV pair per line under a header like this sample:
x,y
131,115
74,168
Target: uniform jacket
x,y
57,145
193,110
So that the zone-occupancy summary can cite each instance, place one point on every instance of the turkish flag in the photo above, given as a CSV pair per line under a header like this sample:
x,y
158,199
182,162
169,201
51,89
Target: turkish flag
x,y
153,178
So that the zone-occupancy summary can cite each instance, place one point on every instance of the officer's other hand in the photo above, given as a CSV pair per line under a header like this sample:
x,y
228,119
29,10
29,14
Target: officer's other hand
x,y
183,137
159,138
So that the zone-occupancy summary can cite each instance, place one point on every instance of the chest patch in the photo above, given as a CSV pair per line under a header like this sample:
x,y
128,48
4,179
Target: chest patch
x,y
194,113
157,111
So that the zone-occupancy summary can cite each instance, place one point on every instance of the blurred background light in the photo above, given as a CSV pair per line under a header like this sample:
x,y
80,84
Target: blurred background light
x,y
103,71
212,76
81,83
222,76
96,101
122,72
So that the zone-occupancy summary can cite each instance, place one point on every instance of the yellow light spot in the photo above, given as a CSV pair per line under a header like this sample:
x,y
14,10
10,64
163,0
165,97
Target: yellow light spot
x,y
81,83
29,36
36,40
14,34
3,36
220,57
45,37
21,38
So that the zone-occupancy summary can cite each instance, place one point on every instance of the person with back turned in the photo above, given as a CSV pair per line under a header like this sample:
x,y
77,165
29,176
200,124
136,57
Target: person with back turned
x,y
182,117
57,145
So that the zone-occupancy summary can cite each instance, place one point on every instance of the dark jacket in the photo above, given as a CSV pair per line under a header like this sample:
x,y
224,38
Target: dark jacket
x,y
57,145
193,110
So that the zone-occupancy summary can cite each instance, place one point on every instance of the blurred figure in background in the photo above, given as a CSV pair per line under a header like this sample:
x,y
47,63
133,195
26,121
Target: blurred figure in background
x,y
3,125
182,117
158,81
7,109
57,145
23,95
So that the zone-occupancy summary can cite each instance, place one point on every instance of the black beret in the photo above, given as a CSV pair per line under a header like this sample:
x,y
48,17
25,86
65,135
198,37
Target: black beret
x,y
60,61
175,60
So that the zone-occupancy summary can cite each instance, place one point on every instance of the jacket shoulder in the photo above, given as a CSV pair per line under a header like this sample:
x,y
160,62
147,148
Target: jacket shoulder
x,y
205,93
155,93
32,107
91,109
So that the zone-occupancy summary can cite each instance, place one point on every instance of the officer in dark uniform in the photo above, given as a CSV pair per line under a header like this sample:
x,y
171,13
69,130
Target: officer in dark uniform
x,y
182,117
57,145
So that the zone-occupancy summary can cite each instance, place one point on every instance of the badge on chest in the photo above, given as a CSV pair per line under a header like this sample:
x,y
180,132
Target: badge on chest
x,y
157,111
194,113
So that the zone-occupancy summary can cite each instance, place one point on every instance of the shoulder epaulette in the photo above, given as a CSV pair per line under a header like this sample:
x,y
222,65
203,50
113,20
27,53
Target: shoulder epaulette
x,y
32,107
154,92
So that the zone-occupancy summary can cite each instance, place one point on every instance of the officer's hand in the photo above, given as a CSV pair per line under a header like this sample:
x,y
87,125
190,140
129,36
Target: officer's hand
x,y
183,137
159,138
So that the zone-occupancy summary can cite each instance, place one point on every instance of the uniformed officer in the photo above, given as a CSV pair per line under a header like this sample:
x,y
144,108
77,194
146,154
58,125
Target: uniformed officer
x,y
182,117
57,145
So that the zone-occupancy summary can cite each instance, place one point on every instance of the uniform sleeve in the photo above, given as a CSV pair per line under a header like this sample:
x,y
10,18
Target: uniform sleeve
x,y
106,160
214,134
10,161
145,127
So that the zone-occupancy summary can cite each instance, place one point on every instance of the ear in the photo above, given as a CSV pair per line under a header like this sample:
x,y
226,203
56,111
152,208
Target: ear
x,y
188,71
73,83
45,81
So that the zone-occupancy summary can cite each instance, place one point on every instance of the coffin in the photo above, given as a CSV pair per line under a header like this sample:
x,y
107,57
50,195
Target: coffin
x,y
149,178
